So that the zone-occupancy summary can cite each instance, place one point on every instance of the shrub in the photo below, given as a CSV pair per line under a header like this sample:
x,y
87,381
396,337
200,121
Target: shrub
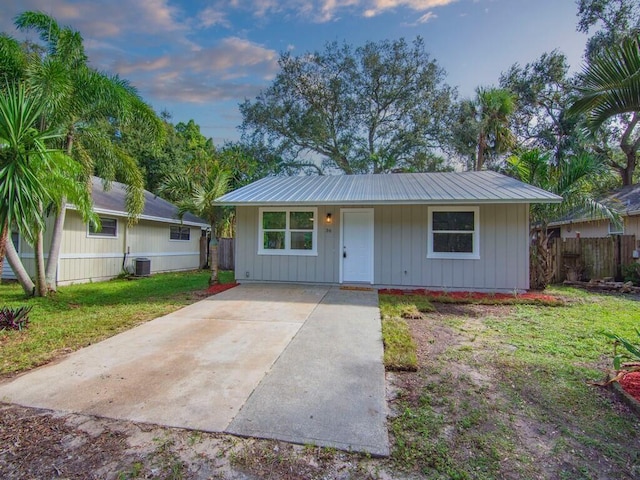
x,y
14,318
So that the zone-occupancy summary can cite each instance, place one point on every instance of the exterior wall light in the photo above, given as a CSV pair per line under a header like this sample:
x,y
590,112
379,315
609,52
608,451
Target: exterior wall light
x,y
329,219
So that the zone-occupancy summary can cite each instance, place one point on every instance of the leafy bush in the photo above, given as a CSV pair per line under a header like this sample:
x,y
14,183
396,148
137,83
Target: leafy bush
x,y
632,354
631,273
14,318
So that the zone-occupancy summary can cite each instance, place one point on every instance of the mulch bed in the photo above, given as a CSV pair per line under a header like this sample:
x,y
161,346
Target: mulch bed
x,y
631,384
221,287
476,297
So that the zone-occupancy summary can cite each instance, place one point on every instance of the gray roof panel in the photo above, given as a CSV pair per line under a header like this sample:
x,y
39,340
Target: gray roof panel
x,y
398,188
112,200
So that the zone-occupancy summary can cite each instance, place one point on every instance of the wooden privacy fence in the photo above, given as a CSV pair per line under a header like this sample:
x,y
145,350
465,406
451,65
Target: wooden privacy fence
x,y
226,254
591,258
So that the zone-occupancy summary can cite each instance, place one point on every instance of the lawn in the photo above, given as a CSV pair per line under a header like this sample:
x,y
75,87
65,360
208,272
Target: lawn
x,y
80,315
502,391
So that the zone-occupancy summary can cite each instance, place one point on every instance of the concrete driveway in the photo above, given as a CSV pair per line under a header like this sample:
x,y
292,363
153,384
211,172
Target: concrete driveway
x,y
292,362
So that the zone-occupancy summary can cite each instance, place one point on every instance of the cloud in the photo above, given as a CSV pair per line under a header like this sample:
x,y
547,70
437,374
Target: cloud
x,y
427,17
212,16
232,68
376,7
327,10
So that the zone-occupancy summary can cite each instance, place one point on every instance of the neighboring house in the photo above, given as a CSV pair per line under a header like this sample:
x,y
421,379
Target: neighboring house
x,y
626,200
89,255
458,231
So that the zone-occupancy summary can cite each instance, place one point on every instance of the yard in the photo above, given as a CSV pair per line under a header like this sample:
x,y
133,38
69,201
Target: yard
x,y
491,391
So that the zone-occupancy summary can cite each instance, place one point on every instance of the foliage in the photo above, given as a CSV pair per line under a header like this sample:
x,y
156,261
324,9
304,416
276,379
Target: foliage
x,y
610,84
631,273
80,315
612,20
542,90
14,318
25,160
368,110
632,351
481,127
569,179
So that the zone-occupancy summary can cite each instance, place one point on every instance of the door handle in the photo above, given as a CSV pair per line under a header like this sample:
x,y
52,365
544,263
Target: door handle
x,y
344,252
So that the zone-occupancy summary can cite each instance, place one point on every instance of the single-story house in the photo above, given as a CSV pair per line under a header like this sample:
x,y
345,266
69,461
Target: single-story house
x,y
454,230
625,200
170,244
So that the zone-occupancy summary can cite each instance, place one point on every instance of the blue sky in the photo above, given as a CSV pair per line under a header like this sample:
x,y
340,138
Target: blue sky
x,y
199,59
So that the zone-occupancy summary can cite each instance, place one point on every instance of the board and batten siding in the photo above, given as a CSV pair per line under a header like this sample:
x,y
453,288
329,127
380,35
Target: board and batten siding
x,y
321,268
400,251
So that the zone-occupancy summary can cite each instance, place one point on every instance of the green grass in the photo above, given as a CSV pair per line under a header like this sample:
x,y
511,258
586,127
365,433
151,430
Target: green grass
x,y
399,347
537,362
79,315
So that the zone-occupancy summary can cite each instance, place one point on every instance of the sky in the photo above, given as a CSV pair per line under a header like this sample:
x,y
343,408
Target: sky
x,y
199,59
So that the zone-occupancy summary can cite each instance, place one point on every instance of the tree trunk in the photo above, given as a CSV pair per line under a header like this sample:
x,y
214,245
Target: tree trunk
x,y
481,150
18,269
51,272
41,282
541,268
213,260
4,235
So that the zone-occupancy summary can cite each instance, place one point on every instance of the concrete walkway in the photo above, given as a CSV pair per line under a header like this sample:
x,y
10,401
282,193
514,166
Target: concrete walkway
x,y
327,388
196,368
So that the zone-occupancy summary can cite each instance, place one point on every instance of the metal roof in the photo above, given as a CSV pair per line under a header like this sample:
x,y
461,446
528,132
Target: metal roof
x,y
393,188
112,202
624,200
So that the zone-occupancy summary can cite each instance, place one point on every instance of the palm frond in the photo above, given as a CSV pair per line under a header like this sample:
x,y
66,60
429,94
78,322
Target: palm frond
x,y
610,84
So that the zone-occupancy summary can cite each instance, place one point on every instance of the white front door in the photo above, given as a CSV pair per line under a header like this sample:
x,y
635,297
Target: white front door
x,y
357,245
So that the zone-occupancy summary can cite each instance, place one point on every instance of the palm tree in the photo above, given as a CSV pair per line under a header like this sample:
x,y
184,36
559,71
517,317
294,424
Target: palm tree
x,y
608,86
195,191
92,109
494,108
567,179
24,158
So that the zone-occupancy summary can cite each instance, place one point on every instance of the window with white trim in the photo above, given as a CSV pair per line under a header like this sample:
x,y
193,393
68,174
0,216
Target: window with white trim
x,y
109,228
287,231
179,232
454,232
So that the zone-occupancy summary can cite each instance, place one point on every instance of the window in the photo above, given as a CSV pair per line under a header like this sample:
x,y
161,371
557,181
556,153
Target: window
x,y
289,231
179,232
616,228
109,228
453,232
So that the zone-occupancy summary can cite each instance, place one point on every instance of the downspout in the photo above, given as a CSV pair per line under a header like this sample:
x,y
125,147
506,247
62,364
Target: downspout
x,y
125,248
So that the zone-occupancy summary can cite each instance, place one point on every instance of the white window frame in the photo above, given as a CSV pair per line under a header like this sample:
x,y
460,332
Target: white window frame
x,y
619,231
100,234
181,227
287,250
475,254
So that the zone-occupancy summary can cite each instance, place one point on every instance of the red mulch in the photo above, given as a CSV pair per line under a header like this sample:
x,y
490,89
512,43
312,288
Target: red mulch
x,y
220,287
471,297
631,384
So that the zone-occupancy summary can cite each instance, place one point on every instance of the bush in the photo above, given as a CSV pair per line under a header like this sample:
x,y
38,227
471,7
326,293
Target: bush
x,y
631,273
14,318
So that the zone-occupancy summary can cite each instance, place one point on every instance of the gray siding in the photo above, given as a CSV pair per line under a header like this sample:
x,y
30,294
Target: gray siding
x,y
400,257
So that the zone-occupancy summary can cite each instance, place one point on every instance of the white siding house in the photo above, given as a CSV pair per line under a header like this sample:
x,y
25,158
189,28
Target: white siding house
x,y
87,255
455,231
